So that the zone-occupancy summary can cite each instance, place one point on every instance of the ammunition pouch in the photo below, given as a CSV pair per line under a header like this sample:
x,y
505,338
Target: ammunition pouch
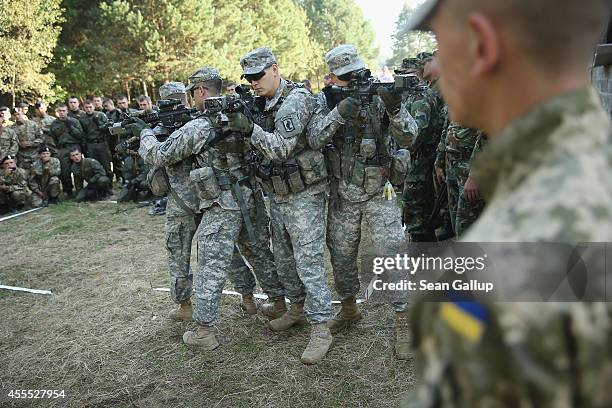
x,y
211,182
293,175
158,181
370,174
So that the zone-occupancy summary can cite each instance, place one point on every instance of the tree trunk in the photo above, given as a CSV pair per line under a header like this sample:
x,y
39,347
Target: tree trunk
x,y
144,87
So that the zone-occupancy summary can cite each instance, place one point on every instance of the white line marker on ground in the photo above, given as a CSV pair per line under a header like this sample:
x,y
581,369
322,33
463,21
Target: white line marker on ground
x,y
18,289
8,217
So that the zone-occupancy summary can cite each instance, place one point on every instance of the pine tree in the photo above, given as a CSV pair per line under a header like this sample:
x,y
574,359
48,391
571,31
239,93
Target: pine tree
x,y
409,44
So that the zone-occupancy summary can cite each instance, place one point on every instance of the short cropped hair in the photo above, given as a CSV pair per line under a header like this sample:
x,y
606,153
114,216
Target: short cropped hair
x,y
143,98
75,149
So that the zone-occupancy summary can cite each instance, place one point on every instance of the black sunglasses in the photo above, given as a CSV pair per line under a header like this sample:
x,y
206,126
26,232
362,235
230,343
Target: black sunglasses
x,y
255,77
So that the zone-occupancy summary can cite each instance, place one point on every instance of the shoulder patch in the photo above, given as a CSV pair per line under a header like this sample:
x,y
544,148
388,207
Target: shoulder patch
x,y
288,124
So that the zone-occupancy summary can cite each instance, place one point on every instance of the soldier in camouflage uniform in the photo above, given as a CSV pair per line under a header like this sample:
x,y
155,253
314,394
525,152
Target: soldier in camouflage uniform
x,y
221,223
96,136
90,171
74,110
30,139
362,166
419,192
69,135
114,116
44,121
5,112
456,151
9,142
44,178
14,191
295,178
545,177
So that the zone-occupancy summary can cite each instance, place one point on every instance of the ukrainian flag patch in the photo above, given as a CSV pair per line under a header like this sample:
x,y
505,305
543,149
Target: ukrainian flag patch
x,y
469,319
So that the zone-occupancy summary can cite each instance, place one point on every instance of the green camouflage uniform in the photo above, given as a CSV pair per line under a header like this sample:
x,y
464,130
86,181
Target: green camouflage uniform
x,y
77,114
419,192
69,134
293,176
94,127
91,171
28,132
545,179
15,193
45,125
352,203
9,143
44,178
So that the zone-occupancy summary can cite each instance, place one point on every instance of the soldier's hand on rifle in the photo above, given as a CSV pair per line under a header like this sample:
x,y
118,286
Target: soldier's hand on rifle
x,y
349,108
239,122
392,100
134,125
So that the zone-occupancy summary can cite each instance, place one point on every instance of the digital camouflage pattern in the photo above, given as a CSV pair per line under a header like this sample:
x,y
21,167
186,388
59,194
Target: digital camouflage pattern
x,y
30,134
44,178
171,88
543,180
14,190
257,60
68,134
297,220
9,143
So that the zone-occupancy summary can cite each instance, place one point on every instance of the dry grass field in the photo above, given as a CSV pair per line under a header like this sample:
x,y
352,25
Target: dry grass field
x,y
103,336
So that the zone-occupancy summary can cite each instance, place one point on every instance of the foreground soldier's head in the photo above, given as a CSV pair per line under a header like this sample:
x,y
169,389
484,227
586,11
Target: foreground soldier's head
x,y
173,90
498,59
261,70
205,83
342,61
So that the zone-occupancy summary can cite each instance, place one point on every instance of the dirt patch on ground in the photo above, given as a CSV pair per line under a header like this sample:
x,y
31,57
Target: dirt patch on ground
x,y
103,336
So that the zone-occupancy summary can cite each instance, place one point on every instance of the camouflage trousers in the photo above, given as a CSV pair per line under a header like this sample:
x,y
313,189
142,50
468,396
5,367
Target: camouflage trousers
x,y
464,212
51,190
65,163
298,240
219,232
94,190
419,196
384,223
179,232
101,152
15,200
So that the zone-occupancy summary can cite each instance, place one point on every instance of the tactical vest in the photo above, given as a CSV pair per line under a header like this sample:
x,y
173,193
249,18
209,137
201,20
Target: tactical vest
x,y
304,168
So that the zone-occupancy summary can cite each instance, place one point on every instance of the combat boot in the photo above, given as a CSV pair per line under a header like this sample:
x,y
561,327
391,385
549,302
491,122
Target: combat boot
x,y
402,336
275,308
182,313
248,304
294,316
203,338
321,340
348,314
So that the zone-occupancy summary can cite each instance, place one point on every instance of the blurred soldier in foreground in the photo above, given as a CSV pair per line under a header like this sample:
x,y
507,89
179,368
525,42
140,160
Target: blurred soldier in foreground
x,y
14,191
44,121
90,171
44,178
30,138
69,135
358,161
295,178
518,70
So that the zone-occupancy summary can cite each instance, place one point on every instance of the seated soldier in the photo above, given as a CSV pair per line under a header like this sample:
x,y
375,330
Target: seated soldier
x,y
92,172
135,172
14,191
44,178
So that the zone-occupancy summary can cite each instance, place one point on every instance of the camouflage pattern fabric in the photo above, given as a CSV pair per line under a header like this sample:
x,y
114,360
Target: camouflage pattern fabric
x,y
93,173
45,125
96,139
542,178
44,178
9,142
15,193
28,132
69,134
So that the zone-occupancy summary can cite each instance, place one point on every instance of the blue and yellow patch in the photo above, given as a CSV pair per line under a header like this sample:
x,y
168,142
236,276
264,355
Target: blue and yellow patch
x,y
469,319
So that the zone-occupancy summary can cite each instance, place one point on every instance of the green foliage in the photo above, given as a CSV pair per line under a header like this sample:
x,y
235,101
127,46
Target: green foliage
x,y
409,44
335,22
29,30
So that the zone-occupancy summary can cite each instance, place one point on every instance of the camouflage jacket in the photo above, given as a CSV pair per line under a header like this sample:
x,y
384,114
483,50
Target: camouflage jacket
x,y
41,173
44,123
67,132
9,143
424,108
546,179
280,128
31,133
89,170
77,114
15,181
94,127
329,130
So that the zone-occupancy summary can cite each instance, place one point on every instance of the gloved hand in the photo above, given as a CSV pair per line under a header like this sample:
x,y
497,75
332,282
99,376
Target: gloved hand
x,y
348,108
239,122
134,126
392,100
